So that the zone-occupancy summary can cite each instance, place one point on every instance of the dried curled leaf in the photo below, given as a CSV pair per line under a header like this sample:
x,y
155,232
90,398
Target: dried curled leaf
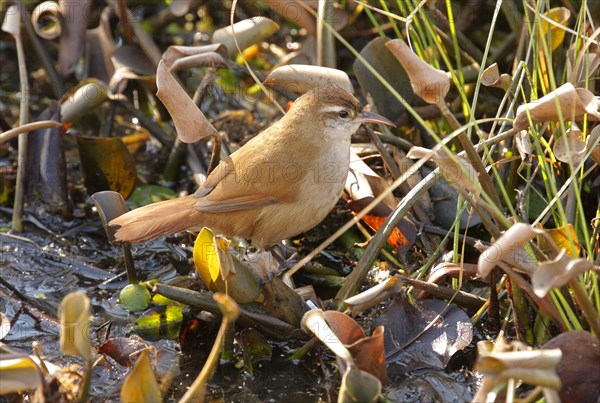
x,y
367,351
357,385
300,78
75,18
371,297
566,102
501,250
46,20
456,170
570,148
536,367
593,143
523,144
190,122
557,272
426,81
86,97
296,12
247,32
182,57
74,314
491,78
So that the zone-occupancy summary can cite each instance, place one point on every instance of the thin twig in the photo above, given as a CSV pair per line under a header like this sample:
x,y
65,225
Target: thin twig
x,y
29,127
145,121
461,298
17,218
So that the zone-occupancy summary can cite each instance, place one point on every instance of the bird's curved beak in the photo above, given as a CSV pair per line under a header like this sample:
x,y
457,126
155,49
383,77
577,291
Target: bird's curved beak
x,y
371,117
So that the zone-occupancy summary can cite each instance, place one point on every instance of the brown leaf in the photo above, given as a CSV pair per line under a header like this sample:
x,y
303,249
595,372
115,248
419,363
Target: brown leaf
x,y
182,57
456,170
593,143
190,122
107,165
570,148
87,96
367,351
293,11
514,237
100,45
491,78
299,78
72,40
429,83
573,102
557,272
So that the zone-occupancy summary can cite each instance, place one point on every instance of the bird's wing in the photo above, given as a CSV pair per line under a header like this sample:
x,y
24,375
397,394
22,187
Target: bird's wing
x,y
233,186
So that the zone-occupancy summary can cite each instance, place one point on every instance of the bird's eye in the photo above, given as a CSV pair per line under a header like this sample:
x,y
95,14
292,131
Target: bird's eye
x,y
343,114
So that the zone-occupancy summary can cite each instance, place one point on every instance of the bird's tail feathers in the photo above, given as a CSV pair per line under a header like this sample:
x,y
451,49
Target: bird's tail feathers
x,y
156,219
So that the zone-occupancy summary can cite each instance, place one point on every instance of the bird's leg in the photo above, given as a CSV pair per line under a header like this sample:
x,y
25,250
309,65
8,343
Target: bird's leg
x,y
287,249
278,252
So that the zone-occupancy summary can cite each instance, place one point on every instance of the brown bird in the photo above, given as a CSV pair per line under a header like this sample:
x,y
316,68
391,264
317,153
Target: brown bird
x,y
281,183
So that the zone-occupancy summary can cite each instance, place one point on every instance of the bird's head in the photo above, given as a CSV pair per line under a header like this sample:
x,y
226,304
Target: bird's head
x,y
335,109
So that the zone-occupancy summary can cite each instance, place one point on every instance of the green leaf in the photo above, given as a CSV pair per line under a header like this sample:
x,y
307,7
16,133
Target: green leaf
x,y
160,321
146,194
134,297
256,347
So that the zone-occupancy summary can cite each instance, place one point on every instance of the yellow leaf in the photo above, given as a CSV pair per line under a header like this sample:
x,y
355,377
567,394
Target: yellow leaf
x,y
560,236
206,258
561,15
18,375
220,271
251,52
140,384
225,260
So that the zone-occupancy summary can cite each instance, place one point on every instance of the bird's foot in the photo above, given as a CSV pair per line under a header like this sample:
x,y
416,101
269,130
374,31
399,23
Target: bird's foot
x,y
286,249
284,264
289,262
